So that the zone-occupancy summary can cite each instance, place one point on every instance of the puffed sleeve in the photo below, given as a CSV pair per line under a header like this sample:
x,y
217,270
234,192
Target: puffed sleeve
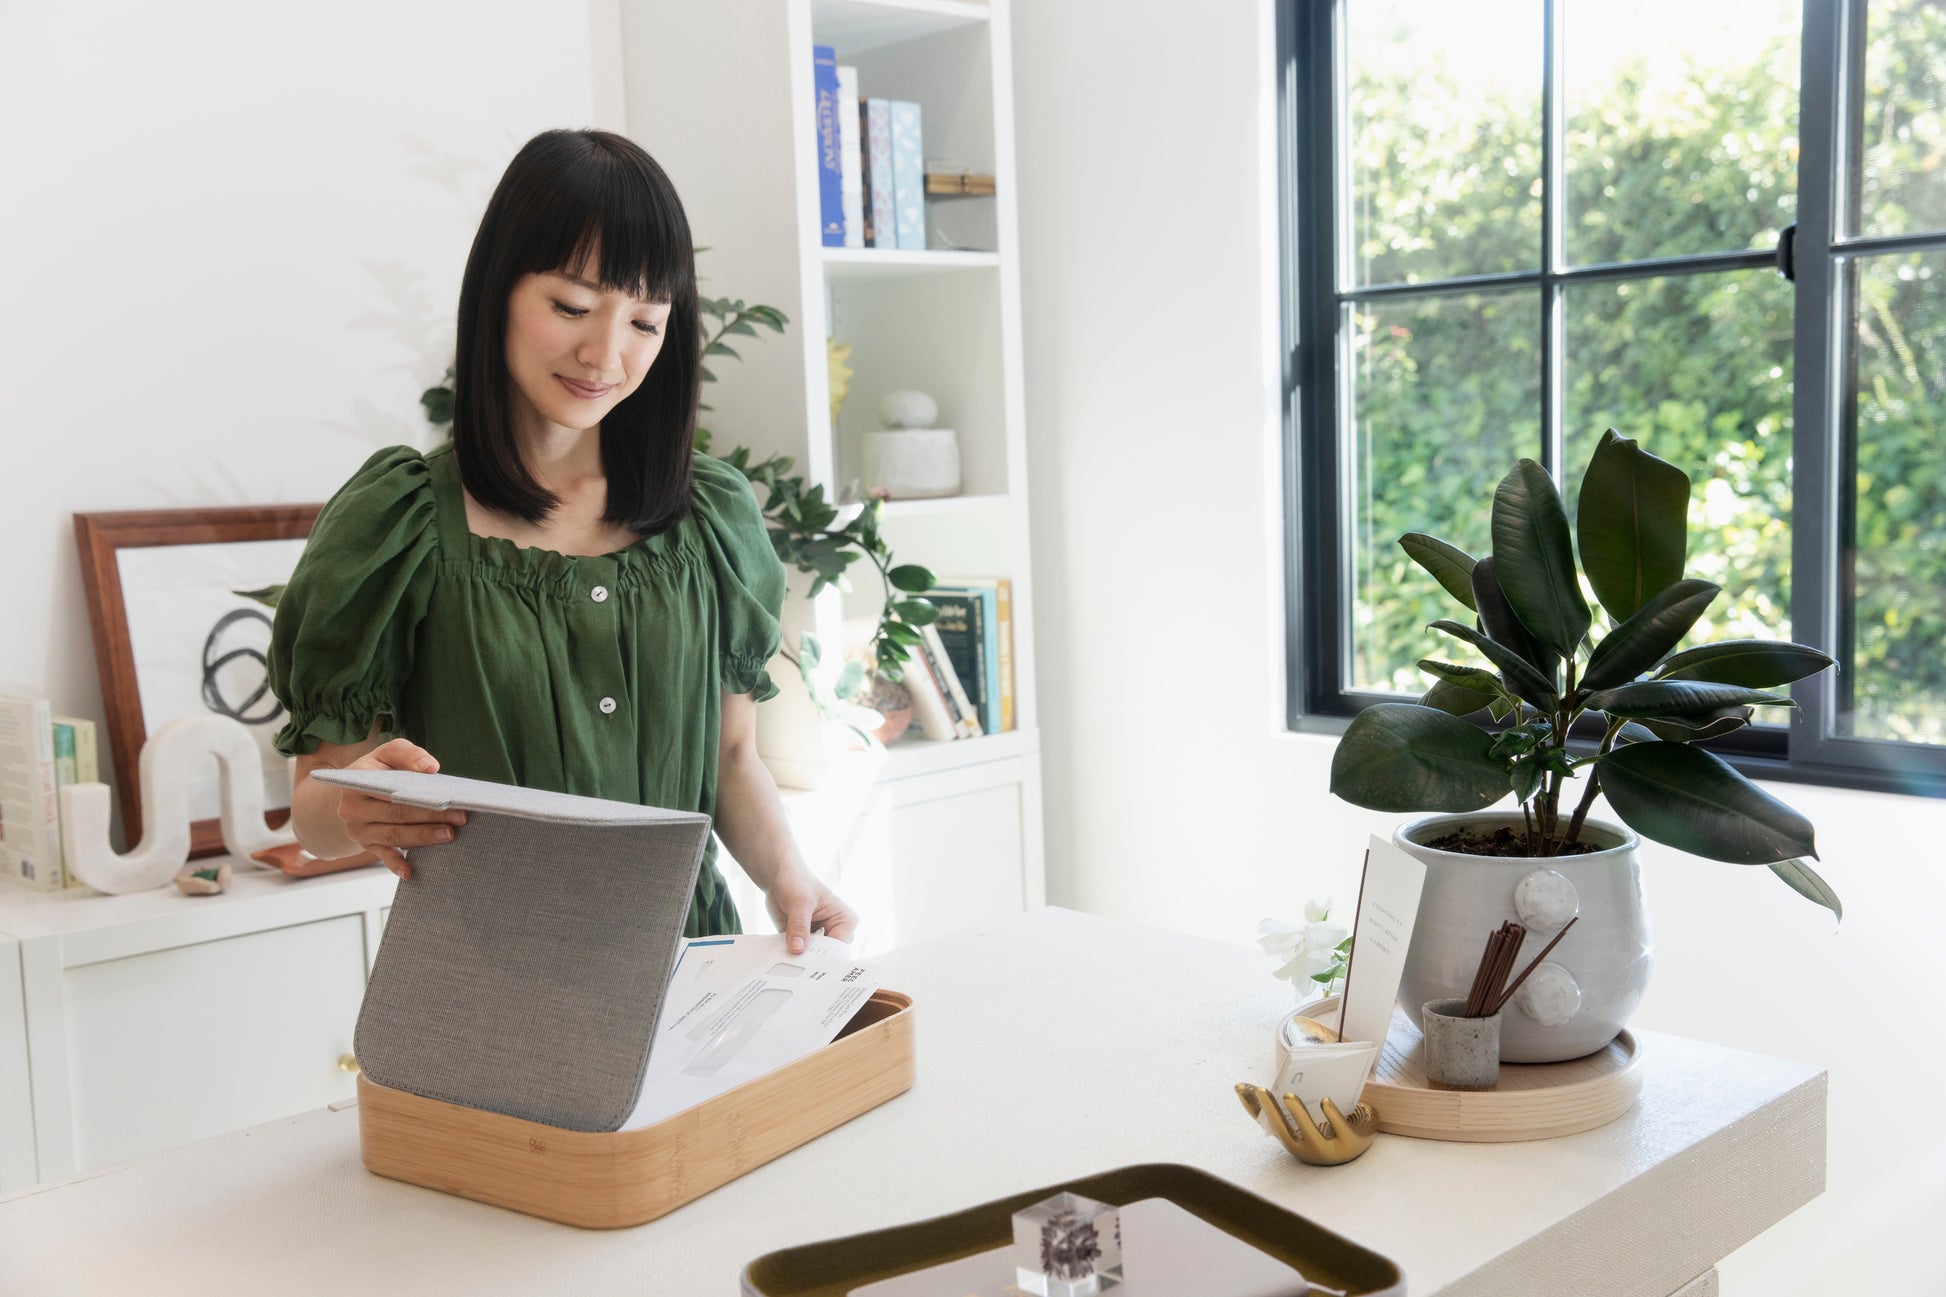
x,y
749,577
341,643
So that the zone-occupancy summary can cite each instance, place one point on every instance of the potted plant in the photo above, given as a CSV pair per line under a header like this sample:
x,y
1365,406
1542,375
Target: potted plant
x,y
1637,706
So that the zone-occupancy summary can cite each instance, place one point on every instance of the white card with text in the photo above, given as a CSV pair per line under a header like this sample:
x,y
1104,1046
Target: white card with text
x,y
1388,905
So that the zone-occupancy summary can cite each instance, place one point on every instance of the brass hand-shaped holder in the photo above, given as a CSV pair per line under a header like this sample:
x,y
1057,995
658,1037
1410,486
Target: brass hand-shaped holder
x,y
1340,1139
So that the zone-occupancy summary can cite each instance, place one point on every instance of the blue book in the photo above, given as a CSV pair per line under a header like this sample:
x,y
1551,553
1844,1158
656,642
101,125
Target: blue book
x,y
831,168
908,176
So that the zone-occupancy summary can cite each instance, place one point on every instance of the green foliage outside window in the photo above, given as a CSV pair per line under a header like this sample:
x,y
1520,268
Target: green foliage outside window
x,y
1444,390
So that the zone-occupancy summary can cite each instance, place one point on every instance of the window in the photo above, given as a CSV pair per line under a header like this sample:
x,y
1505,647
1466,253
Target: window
x,y
1719,229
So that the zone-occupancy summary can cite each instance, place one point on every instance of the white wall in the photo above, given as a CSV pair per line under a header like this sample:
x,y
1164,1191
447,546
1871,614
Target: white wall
x,y
231,246
1149,272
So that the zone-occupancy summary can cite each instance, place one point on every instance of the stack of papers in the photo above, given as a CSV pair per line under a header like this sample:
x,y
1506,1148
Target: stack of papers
x,y
741,1006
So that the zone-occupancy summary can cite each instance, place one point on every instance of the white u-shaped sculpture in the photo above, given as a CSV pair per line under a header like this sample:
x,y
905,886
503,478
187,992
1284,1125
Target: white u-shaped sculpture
x,y
166,760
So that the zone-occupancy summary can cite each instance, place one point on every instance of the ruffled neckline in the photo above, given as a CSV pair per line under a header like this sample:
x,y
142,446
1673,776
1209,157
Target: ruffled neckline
x,y
527,560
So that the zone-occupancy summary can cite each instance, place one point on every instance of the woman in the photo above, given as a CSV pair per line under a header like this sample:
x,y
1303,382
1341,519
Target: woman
x,y
566,596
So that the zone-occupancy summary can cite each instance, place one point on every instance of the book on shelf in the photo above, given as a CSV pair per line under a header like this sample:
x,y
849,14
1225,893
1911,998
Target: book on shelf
x,y
908,175
76,761
867,232
993,610
831,202
928,700
966,719
878,173
30,811
851,186
962,628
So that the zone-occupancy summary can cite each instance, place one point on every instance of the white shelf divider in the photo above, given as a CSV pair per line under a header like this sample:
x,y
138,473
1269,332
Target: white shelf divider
x,y
850,265
945,504
854,26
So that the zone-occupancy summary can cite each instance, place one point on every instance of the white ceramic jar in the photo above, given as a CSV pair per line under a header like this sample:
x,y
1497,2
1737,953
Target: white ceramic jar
x,y
912,463
1580,998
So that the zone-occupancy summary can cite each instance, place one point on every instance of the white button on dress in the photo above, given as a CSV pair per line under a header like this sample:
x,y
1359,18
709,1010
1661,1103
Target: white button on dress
x,y
599,594
607,706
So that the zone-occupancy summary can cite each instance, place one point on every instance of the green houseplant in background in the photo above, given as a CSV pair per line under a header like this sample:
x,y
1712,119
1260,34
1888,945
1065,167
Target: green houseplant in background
x,y
1544,670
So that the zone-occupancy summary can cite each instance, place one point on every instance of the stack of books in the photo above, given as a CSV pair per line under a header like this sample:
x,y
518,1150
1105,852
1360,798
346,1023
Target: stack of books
x,y
871,164
961,676
40,753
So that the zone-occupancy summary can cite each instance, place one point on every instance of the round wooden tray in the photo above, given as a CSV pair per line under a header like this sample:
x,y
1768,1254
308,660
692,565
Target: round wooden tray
x,y
1532,1100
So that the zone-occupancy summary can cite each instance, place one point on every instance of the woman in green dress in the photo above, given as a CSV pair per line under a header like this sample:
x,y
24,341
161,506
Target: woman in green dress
x,y
566,596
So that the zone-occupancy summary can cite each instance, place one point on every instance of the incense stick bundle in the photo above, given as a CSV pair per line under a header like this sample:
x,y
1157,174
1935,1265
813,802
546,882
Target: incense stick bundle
x,y
1508,994
1503,945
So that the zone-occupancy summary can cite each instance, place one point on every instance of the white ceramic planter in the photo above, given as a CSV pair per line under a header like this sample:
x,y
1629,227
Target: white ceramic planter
x,y
1583,995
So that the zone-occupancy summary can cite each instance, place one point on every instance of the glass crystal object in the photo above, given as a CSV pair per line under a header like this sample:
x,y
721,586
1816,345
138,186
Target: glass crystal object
x,y
1067,1246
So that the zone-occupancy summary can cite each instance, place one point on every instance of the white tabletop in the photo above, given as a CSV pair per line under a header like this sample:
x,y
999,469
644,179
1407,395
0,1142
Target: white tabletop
x,y
1050,1047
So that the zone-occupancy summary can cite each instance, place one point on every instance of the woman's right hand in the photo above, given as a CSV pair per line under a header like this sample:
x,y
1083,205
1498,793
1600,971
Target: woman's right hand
x,y
385,828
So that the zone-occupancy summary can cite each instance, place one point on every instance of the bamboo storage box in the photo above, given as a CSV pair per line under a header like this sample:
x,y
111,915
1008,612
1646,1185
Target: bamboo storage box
x,y
510,1012
606,1179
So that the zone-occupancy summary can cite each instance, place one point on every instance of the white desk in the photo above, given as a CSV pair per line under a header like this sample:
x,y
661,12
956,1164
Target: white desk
x,y
1050,1046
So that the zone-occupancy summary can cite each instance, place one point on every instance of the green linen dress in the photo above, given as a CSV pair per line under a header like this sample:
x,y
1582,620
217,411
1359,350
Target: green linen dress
x,y
601,676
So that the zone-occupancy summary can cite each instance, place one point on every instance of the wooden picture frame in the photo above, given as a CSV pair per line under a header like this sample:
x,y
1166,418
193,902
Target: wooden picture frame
x,y
102,539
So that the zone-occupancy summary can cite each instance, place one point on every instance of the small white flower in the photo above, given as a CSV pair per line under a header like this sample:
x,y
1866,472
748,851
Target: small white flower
x,y
1278,937
1324,936
1304,952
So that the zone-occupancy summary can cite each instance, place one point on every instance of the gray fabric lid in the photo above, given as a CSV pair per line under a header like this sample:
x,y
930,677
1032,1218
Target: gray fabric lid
x,y
524,963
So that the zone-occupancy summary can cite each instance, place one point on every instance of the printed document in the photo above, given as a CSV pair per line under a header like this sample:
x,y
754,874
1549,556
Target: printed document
x,y
741,1006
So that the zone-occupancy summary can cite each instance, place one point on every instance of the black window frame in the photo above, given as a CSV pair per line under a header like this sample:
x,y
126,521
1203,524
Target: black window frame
x,y
1814,253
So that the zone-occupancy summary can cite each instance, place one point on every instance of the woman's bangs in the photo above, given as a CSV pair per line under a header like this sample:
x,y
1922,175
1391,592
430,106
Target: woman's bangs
x,y
643,252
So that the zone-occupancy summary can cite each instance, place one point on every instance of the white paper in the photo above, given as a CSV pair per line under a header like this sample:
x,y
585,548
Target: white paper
x,y
1315,1073
1388,905
738,1007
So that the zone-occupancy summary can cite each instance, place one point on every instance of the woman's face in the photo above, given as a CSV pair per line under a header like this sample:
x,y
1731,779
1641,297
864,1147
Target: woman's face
x,y
576,350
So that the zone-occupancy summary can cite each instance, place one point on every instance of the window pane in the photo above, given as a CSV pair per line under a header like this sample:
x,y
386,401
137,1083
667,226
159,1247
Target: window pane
x,y
1681,127
1896,672
1902,155
1444,138
1445,397
1698,369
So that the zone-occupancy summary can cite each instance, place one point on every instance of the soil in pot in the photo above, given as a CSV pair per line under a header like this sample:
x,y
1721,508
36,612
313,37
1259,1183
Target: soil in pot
x,y
1501,842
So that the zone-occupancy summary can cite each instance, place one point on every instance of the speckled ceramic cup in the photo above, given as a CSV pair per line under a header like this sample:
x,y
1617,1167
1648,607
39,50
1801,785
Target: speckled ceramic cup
x,y
1461,1053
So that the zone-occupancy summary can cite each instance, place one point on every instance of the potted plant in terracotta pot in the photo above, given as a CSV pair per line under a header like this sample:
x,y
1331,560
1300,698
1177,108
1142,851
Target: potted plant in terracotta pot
x,y
1547,672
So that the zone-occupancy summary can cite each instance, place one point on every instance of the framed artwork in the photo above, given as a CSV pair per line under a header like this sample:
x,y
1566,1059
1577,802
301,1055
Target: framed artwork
x,y
177,632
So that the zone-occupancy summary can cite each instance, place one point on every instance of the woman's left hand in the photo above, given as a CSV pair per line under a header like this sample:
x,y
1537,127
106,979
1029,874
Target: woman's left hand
x,y
799,904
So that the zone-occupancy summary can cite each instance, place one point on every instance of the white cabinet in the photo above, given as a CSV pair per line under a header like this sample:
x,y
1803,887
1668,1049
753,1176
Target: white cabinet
x,y
956,859
16,1116
132,1023
919,852
182,1043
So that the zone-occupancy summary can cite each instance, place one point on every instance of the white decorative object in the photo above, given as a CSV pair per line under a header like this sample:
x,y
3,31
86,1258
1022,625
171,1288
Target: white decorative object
x,y
1550,995
1545,900
169,759
912,460
913,463
908,409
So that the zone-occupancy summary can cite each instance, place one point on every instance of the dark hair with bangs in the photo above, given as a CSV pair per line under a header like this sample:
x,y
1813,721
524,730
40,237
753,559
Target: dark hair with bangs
x,y
565,194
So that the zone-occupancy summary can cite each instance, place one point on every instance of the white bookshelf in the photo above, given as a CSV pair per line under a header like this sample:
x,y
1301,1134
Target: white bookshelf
x,y
861,265
723,96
